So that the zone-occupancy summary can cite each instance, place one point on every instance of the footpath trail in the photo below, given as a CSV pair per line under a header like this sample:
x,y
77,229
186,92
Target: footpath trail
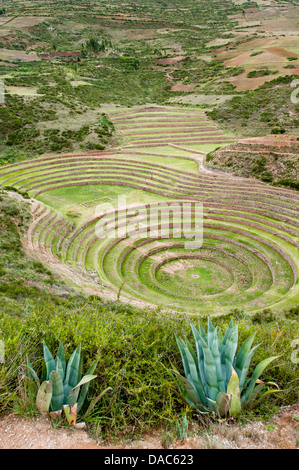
x,y
280,432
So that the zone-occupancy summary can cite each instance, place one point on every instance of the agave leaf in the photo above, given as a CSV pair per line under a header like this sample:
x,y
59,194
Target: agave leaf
x,y
227,335
73,396
243,359
267,393
220,338
244,372
233,390
216,355
80,369
223,346
202,333
44,396
32,374
57,390
44,371
211,333
210,372
191,396
194,369
85,386
74,393
212,405
257,389
61,357
185,423
49,360
223,404
242,353
256,373
87,378
192,360
190,365
195,379
228,354
189,387
71,375
59,368
182,348
200,356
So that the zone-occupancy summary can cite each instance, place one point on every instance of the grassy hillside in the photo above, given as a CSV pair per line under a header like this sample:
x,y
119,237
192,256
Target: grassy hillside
x,y
268,109
274,162
132,54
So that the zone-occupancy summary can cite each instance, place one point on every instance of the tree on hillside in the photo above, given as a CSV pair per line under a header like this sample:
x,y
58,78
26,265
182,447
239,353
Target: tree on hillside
x,y
95,46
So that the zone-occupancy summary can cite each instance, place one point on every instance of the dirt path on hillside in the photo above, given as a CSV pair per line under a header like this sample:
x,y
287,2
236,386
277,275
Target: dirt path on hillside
x,y
280,432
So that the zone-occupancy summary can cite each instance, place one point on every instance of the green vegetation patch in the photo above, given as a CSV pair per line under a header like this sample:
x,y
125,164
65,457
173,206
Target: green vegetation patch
x,y
260,111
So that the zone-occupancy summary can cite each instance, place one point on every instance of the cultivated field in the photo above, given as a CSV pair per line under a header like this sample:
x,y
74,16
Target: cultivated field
x,y
249,258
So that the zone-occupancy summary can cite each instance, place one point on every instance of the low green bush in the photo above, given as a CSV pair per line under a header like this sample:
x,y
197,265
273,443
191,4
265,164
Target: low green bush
x,y
261,73
292,313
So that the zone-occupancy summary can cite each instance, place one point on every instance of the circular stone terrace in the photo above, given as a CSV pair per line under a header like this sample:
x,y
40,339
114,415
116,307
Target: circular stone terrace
x,y
249,254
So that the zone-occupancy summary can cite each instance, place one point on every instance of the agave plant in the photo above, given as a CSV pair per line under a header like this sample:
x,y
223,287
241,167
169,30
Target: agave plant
x,y
63,388
215,377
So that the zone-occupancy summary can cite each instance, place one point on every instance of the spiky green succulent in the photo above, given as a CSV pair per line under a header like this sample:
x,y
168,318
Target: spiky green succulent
x,y
62,387
216,379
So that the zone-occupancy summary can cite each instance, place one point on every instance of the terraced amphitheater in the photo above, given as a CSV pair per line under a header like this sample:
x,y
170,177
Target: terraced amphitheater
x,y
249,255
157,126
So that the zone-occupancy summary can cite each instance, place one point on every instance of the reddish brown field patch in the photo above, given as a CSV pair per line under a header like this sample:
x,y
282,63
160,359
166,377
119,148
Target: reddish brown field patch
x,y
171,60
243,83
11,55
181,87
272,53
141,34
27,21
280,52
277,140
238,60
8,64
5,19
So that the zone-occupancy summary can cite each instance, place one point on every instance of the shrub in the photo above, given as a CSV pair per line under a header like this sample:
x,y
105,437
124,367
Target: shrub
x,y
265,316
261,73
278,130
292,312
209,156
94,146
